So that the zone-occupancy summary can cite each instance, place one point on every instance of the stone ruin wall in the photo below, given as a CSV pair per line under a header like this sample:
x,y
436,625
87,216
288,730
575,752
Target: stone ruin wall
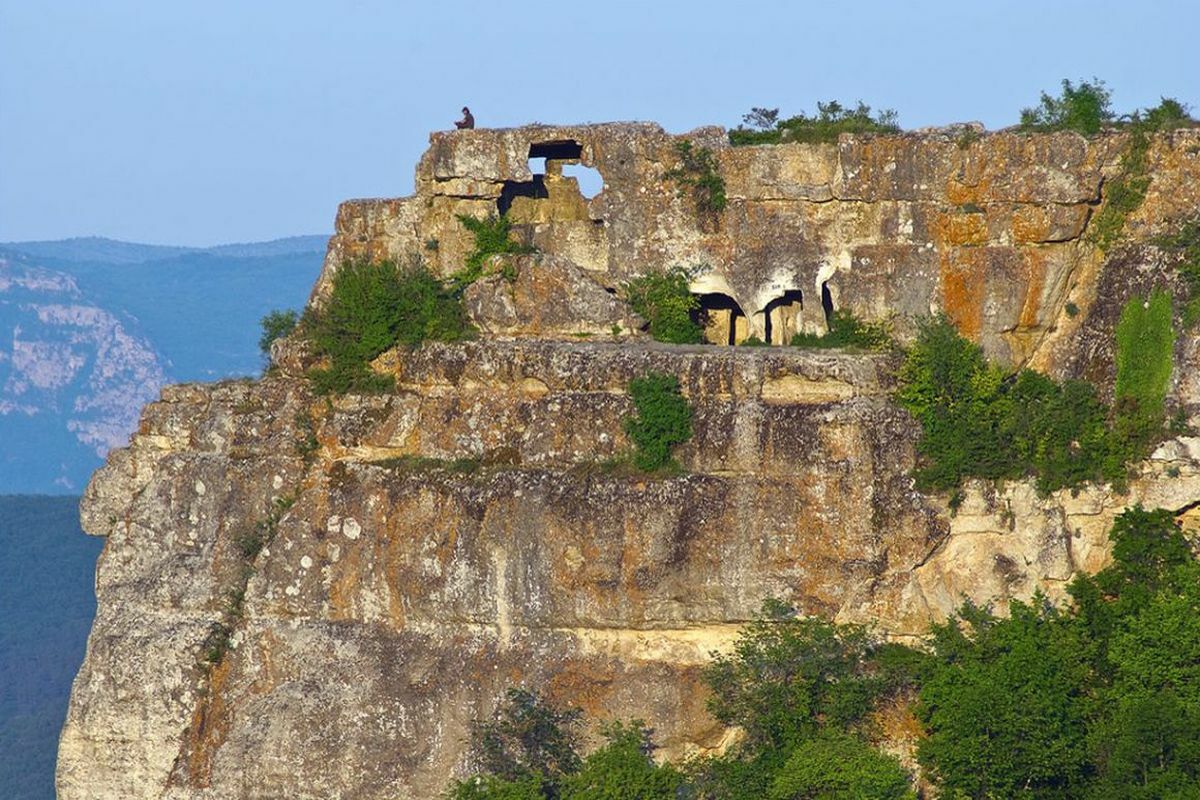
x,y
989,229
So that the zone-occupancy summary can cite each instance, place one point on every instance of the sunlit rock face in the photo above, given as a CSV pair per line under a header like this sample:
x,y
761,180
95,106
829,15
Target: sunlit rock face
x,y
463,533
72,378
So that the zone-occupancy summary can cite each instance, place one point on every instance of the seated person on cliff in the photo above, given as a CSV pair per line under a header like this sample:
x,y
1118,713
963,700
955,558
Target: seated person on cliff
x,y
467,122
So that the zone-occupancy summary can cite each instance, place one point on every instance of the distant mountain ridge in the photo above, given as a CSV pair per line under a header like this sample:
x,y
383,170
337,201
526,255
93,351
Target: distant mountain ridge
x,y
114,251
91,328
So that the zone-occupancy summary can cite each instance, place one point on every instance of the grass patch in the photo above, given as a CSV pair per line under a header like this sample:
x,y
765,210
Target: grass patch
x,y
664,420
763,126
371,308
665,301
1145,346
846,330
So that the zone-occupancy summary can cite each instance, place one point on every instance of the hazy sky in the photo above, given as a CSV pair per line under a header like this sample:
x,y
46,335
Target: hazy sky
x,y
187,122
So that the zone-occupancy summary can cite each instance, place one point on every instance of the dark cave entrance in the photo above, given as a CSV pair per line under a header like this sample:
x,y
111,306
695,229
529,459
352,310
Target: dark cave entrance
x,y
782,317
827,303
722,318
558,158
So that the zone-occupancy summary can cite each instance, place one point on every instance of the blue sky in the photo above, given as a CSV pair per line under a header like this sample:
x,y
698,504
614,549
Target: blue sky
x,y
198,123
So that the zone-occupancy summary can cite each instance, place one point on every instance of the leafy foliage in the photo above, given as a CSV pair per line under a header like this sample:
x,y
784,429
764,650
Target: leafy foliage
x,y
493,236
978,422
846,330
837,766
1083,108
375,306
1005,706
665,301
831,120
276,325
698,174
789,678
528,736
1099,701
1124,192
623,769
664,419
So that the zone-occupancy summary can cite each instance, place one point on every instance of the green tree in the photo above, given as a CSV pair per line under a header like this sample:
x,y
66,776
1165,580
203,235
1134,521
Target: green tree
x,y
948,386
1083,108
527,735
787,678
623,769
491,787
837,766
664,420
1005,705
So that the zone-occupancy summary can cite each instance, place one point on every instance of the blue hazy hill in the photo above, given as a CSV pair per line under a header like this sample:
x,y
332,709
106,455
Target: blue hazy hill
x,y
47,603
97,249
91,328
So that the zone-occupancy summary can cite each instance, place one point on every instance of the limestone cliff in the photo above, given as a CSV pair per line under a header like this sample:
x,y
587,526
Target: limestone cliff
x,y
405,588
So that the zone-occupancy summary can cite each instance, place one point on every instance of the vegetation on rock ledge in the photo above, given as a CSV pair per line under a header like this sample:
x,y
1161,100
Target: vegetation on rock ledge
x,y
371,308
664,419
666,302
846,330
831,121
493,236
697,172
977,421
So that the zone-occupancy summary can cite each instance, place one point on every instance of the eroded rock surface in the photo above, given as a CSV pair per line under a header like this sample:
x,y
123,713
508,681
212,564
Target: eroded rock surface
x,y
463,533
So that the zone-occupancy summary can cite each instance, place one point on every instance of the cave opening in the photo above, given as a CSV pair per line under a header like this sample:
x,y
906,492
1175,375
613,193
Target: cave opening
x,y
552,162
511,190
782,317
827,303
722,318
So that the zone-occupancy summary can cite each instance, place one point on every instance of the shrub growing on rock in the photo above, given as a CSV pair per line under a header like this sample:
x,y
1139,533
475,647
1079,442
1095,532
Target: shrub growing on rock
x,y
1083,108
665,301
493,236
276,325
371,308
977,421
664,419
846,330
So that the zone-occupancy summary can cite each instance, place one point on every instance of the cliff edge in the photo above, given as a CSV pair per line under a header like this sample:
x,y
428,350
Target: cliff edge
x,y
393,562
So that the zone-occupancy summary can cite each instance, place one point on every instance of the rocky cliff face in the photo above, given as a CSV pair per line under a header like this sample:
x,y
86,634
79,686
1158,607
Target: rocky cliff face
x,y
432,546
